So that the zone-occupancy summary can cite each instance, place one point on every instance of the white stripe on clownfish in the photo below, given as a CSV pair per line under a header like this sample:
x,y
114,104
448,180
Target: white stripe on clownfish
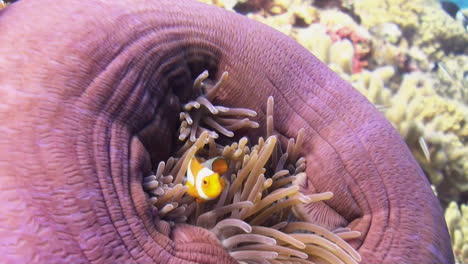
x,y
190,176
201,176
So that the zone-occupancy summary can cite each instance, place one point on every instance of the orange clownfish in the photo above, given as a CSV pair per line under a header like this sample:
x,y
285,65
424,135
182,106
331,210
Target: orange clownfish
x,y
204,180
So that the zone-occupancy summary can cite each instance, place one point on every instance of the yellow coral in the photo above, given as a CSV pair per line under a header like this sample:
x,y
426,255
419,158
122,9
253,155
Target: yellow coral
x,y
402,12
372,84
436,128
433,126
316,40
306,13
286,14
279,6
343,51
452,81
439,33
282,23
418,112
338,55
457,222
335,19
434,31
376,92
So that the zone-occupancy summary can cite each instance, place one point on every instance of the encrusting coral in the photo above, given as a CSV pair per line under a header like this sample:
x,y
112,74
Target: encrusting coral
x,y
253,217
457,222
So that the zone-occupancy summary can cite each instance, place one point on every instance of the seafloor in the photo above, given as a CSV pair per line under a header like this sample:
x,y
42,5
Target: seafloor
x,y
410,58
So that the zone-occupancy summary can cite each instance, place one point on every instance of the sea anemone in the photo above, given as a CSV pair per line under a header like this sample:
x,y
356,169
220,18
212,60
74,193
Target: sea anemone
x,y
253,217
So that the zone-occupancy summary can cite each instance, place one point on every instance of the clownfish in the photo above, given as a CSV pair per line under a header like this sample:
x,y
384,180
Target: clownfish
x,y
204,180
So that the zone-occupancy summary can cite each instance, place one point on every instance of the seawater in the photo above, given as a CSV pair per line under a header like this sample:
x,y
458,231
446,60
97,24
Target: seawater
x,y
461,3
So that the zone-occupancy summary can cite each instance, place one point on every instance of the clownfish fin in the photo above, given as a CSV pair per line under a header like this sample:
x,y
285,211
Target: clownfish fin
x,y
191,190
196,166
217,164
223,183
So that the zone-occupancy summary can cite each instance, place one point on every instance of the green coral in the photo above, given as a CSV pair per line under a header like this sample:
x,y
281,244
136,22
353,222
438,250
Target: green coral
x,y
457,222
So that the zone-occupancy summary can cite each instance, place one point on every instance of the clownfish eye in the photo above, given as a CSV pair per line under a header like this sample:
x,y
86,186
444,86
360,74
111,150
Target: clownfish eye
x,y
205,182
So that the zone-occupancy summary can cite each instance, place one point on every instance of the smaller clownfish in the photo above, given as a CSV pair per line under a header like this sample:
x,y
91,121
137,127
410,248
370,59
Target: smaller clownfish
x,y
204,180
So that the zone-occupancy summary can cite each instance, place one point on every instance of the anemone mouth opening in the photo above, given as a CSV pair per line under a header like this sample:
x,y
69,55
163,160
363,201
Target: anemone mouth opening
x,y
255,215
175,78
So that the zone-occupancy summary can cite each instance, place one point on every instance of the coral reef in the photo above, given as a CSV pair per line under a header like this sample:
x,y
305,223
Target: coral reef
x,y
298,14
226,4
361,46
345,49
434,127
457,222
340,27
337,40
404,13
452,77
423,22
408,58
253,218
373,85
443,126
398,76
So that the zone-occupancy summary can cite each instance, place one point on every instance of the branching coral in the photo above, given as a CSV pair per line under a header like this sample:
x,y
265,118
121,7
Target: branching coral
x,y
419,112
253,217
283,15
438,35
373,85
336,40
341,49
404,13
226,4
452,78
342,27
302,21
434,127
426,104
423,21
457,222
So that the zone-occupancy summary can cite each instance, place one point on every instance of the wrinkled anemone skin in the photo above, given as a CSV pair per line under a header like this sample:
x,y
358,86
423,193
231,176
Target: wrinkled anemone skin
x,y
90,92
